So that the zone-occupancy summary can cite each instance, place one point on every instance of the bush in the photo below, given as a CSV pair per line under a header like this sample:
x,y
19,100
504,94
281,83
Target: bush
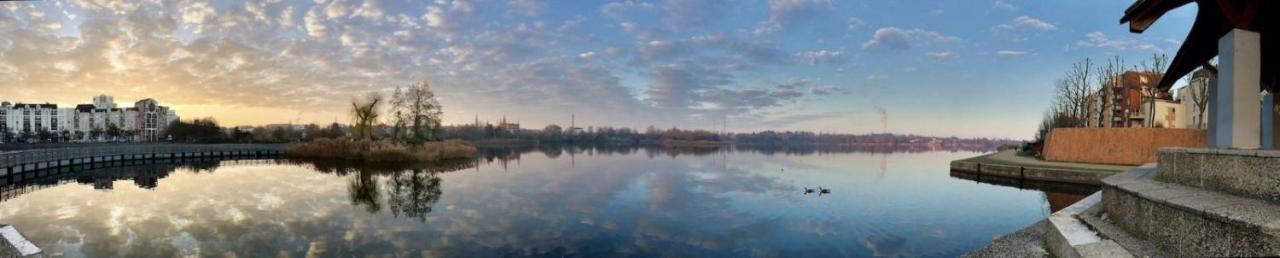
x,y
381,151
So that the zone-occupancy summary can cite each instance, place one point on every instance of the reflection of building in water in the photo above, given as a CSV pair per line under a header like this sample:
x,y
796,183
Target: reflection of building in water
x,y
145,174
884,164
1059,195
1059,201
503,155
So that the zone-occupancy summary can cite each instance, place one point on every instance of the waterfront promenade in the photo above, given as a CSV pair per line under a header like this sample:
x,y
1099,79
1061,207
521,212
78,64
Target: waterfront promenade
x,y
1009,164
19,161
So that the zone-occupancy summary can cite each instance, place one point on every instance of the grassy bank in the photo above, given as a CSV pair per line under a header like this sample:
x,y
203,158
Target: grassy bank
x,y
381,151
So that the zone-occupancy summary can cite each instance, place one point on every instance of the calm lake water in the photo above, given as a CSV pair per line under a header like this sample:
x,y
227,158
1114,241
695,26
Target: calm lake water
x,y
553,202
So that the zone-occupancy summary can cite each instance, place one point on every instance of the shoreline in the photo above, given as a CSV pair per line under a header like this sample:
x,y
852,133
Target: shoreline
x,y
1008,164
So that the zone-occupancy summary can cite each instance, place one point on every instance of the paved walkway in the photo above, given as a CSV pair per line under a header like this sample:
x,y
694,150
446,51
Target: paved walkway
x,y
1010,157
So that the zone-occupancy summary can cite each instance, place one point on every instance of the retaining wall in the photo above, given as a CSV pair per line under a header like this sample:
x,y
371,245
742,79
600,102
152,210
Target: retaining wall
x,y
1029,172
39,159
1121,146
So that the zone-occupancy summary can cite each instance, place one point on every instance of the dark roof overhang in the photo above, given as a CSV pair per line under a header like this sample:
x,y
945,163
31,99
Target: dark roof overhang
x,y
1214,18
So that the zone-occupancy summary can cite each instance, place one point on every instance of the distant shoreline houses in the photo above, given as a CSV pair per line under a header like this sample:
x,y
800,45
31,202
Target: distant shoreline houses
x,y
101,121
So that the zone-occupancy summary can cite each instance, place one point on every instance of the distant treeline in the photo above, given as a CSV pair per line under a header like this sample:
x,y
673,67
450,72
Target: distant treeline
x,y
208,131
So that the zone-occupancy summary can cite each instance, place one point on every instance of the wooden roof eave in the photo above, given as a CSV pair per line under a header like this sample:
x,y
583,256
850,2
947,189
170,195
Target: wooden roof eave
x,y
1143,13
1200,46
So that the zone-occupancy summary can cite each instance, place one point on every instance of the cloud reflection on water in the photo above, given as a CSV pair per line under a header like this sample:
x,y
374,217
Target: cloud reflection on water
x,y
603,203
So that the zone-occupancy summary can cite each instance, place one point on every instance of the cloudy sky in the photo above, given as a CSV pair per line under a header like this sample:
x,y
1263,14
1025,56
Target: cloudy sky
x,y
966,68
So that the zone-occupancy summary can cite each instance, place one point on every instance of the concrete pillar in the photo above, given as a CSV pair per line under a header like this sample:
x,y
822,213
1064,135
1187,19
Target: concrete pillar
x,y
1268,136
1235,122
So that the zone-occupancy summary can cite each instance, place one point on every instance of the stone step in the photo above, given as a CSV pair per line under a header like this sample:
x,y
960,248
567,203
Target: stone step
x,y
1067,235
1135,246
1247,173
1190,221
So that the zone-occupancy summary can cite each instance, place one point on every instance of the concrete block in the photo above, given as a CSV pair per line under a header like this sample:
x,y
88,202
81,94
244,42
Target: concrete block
x,y
1235,101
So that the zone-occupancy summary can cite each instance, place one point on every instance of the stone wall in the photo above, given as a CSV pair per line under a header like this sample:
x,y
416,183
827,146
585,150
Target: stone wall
x,y
1121,146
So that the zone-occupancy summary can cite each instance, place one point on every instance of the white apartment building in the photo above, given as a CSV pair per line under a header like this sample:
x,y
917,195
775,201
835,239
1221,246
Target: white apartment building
x,y
1194,96
100,121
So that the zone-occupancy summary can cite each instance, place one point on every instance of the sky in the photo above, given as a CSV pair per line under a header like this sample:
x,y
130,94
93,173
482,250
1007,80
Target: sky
x,y
962,68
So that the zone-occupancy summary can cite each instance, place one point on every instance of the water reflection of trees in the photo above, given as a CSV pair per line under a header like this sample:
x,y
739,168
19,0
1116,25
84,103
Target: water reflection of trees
x,y
412,193
505,155
363,191
407,190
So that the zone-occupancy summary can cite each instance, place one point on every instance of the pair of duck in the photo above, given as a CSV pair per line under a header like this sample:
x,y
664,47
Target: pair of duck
x,y
820,190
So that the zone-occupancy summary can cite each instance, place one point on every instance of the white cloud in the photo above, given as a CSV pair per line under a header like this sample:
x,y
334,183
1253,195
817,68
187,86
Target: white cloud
x,y
315,24
939,56
785,13
196,13
434,17
527,7
617,10
371,9
685,14
822,56
1010,53
1018,28
1028,22
286,17
587,55
337,9
1001,5
898,38
258,10
1098,39
855,23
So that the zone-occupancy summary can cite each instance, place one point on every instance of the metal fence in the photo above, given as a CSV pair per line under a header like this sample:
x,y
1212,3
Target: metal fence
x,y
26,160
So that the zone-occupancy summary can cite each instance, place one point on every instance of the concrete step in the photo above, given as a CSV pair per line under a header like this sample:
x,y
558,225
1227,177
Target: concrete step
x,y
1245,173
1135,246
1067,235
1189,221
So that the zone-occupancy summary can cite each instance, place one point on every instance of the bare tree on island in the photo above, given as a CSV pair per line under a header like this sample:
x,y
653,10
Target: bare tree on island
x,y
416,107
365,113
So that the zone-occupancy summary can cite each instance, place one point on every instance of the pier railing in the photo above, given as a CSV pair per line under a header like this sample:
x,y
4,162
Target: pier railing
x,y
36,159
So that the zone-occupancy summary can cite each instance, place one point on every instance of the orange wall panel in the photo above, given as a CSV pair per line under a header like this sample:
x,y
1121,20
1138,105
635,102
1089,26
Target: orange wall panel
x,y
1123,146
